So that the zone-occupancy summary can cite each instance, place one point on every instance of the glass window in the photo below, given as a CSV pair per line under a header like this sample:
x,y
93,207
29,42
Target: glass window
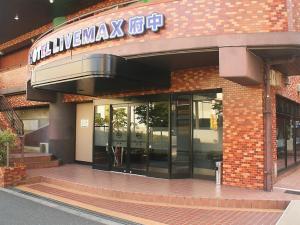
x,y
181,136
290,142
297,132
207,133
280,144
101,136
159,139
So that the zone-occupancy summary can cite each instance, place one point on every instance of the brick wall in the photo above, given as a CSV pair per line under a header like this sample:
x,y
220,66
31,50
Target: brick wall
x,y
293,9
243,143
188,18
14,78
12,176
211,17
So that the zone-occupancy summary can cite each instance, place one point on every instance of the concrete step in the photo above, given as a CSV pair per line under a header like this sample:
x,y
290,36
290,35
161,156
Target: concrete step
x,y
154,212
35,160
167,199
32,159
39,165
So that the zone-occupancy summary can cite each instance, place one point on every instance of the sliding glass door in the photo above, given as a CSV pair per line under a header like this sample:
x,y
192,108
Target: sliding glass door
x,y
169,136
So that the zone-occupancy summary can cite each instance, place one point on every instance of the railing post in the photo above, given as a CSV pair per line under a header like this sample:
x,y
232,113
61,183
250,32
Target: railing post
x,y
22,147
7,154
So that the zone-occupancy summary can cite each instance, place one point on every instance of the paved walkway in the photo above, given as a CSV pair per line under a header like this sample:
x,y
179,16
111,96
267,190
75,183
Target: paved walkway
x,y
152,201
291,180
155,213
195,188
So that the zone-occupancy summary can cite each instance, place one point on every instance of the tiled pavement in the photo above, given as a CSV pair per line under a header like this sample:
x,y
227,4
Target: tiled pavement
x,y
150,200
290,180
195,188
147,213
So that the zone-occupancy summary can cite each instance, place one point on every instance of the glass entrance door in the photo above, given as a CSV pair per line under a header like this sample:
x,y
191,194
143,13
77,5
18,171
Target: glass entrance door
x,y
101,157
129,138
119,137
181,148
138,153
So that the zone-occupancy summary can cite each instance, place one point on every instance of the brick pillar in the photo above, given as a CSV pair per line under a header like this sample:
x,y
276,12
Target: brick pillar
x,y
243,140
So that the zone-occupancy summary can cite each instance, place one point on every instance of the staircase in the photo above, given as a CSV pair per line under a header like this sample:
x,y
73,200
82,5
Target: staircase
x,y
9,119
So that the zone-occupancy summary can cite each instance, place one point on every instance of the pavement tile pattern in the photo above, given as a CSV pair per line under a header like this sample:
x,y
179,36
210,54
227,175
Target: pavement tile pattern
x,y
167,214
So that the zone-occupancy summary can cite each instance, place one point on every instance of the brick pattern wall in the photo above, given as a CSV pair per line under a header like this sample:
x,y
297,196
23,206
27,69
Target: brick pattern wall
x,y
210,17
15,59
188,18
243,143
14,78
293,9
12,176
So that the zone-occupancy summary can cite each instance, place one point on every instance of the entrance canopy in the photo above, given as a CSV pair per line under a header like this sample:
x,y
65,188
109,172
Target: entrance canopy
x,y
97,74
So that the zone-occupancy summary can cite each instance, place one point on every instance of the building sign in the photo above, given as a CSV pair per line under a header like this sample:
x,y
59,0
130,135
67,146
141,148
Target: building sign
x,y
84,123
137,25
275,78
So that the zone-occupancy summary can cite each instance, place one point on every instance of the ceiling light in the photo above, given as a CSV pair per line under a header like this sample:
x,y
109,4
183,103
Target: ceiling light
x,y
51,1
16,17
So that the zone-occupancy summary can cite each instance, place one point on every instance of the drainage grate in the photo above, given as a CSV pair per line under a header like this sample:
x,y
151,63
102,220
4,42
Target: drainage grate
x,y
79,209
292,192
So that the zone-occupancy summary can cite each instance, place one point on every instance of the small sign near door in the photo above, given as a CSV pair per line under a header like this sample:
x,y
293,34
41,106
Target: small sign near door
x,y
84,123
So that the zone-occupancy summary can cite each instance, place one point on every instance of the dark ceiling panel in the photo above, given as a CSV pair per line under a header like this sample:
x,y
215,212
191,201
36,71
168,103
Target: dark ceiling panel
x,y
33,14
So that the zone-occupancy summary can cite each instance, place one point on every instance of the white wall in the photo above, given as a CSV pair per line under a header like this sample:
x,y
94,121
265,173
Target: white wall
x,y
84,132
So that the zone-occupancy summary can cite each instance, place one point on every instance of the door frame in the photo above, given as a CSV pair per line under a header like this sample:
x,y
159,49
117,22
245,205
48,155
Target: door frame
x,y
131,170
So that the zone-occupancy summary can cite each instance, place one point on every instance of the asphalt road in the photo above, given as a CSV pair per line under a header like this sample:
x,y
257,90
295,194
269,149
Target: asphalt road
x,y
18,210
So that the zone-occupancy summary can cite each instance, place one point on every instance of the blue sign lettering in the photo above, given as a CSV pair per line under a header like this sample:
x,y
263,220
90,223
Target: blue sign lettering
x,y
137,25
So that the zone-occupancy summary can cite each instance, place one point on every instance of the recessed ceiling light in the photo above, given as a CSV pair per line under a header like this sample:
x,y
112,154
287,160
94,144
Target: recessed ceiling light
x,y
51,1
16,17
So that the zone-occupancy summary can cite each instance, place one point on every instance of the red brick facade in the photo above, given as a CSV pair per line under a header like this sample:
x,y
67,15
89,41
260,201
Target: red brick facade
x,y
243,137
243,143
12,176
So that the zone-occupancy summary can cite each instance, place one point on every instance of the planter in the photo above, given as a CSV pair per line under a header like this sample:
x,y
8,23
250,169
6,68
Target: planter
x,y
12,176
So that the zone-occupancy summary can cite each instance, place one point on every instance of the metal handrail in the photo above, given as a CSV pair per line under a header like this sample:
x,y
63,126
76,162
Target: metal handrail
x,y
92,13
13,118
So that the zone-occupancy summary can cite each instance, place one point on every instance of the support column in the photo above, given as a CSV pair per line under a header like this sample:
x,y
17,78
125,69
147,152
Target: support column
x,y
268,154
62,129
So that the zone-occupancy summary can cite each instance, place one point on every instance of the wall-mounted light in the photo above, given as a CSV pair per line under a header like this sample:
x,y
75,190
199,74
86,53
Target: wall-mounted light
x,y
51,1
16,17
1,53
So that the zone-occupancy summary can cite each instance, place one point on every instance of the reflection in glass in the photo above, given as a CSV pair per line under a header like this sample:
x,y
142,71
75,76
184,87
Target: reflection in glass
x,y
289,142
207,133
119,137
280,144
158,138
181,136
101,136
297,132
138,138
